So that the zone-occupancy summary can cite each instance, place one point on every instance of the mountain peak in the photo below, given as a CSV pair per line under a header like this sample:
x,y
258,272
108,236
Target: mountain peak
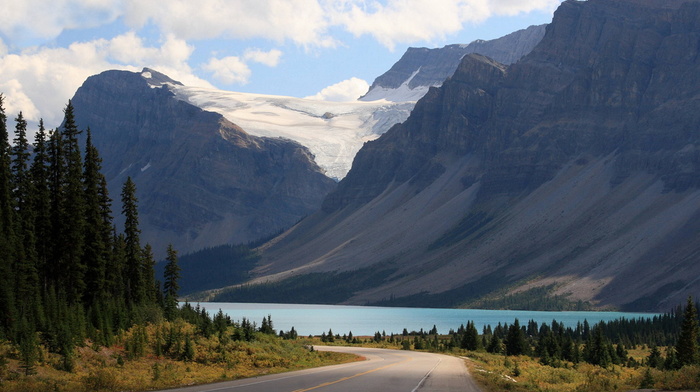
x,y
421,68
157,79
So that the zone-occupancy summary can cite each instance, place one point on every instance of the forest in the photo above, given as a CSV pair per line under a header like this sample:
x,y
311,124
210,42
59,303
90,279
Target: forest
x,y
66,273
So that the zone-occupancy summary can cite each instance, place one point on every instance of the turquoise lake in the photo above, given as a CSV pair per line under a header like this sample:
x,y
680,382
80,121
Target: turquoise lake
x,y
366,320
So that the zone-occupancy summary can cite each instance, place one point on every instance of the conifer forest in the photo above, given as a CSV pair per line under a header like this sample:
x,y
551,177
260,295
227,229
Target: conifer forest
x,y
66,272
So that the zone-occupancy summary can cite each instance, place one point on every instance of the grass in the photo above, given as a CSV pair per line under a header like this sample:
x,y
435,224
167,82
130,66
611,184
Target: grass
x,y
116,368
525,374
106,369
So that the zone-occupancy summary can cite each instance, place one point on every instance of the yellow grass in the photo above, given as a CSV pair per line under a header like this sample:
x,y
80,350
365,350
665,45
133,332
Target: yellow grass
x,y
498,373
107,369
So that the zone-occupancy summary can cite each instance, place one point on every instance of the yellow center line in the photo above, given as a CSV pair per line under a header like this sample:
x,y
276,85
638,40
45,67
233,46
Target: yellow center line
x,y
325,384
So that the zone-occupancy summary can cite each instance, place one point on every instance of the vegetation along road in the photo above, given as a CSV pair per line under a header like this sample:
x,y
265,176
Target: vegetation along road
x,y
384,370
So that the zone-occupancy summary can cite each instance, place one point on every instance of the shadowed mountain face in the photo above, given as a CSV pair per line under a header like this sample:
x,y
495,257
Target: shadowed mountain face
x,y
577,166
201,180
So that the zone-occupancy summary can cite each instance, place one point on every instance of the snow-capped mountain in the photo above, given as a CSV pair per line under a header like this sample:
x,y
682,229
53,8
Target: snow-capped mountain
x,y
335,131
421,68
332,131
201,180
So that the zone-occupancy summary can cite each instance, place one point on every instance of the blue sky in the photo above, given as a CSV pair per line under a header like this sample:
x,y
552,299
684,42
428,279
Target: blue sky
x,y
329,49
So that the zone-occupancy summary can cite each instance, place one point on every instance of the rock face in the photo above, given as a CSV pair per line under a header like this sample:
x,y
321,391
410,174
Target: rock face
x,y
577,166
420,68
201,180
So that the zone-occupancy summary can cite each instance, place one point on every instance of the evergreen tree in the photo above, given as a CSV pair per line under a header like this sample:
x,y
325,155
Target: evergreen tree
x,y
687,350
28,304
115,278
149,280
56,178
6,229
495,345
71,262
515,341
97,234
647,380
171,285
598,350
135,288
470,339
28,347
40,202
654,360
20,164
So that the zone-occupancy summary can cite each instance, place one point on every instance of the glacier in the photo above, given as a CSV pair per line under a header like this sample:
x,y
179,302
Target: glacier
x,y
333,131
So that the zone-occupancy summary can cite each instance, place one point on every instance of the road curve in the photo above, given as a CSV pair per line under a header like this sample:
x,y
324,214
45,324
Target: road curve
x,y
384,371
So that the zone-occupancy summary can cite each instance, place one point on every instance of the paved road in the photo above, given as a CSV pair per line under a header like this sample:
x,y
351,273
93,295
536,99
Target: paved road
x,y
384,371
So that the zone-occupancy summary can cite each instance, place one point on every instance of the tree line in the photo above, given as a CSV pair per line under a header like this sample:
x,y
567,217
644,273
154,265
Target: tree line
x,y
66,273
604,344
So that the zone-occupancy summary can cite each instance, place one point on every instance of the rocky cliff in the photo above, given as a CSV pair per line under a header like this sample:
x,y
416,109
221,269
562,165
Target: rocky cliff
x,y
421,68
201,180
577,167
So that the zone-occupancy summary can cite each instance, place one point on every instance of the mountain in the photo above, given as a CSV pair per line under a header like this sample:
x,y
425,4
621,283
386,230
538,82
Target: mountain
x,y
201,180
421,68
576,169
335,131
332,131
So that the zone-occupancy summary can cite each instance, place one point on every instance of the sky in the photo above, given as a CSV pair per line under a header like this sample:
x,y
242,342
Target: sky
x,y
324,49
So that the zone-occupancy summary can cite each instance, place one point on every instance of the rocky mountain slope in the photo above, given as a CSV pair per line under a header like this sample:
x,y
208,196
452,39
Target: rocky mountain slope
x,y
578,167
421,68
201,180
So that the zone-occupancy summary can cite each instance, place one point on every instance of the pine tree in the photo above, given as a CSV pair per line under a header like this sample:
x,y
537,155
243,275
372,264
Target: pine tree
x,y
97,233
598,349
20,164
28,347
171,285
6,229
56,177
115,278
470,340
647,380
40,202
654,360
135,288
515,341
687,351
495,345
149,279
26,274
73,226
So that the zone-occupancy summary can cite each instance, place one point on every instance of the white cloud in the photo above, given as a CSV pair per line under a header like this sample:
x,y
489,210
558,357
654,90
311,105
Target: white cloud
x,y
130,49
305,22
347,90
39,81
40,19
406,21
229,70
3,48
271,58
301,21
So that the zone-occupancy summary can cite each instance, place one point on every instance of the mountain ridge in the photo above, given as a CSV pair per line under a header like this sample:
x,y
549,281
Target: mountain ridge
x,y
577,166
201,180
421,68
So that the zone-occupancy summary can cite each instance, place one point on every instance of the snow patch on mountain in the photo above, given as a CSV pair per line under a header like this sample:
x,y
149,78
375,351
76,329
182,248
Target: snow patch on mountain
x,y
401,94
333,131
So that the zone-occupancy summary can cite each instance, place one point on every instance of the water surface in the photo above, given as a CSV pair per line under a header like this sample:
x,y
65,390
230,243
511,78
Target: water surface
x,y
366,320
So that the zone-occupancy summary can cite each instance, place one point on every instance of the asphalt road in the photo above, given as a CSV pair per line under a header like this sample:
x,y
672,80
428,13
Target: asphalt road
x,y
383,371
